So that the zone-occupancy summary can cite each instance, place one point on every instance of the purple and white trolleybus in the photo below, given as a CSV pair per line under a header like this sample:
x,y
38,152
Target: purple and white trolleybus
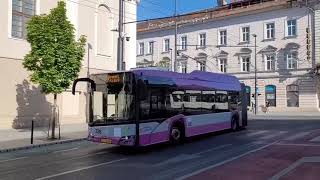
x,y
141,107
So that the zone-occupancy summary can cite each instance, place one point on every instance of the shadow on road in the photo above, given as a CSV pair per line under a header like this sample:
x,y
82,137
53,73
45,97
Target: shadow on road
x,y
136,151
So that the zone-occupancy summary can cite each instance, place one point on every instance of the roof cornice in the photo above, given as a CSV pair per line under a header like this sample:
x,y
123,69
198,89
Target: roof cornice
x,y
244,8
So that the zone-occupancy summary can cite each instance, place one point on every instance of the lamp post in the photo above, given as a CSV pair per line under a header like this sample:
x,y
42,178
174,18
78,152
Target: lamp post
x,y
171,61
255,74
175,36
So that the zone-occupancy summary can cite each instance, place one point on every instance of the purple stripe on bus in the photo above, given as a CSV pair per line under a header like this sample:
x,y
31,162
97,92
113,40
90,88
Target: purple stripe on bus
x,y
197,130
158,137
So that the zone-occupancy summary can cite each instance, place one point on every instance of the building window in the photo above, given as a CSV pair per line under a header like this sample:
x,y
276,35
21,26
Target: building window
x,y
245,34
183,67
166,45
245,64
183,42
22,11
293,95
202,40
292,27
141,48
270,92
202,65
270,62
269,31
150,48
223,37
223,64
292,60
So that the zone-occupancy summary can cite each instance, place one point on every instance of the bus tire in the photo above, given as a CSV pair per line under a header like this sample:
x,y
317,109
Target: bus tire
x,y
234,123
176,134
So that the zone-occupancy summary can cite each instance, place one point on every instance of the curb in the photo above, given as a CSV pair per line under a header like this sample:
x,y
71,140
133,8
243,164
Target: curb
x,y
285,118
41,145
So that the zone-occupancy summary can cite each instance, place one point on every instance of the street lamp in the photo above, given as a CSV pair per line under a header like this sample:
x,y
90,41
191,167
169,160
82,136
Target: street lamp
x,y
88,85
171,60
88,66
255,74
175,37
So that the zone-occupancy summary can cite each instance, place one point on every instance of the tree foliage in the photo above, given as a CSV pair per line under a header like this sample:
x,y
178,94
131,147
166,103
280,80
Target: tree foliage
x,y
164,63
55,56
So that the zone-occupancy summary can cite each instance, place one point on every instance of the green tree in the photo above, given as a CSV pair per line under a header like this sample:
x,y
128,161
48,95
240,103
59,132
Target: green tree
x,y
55,56
164,63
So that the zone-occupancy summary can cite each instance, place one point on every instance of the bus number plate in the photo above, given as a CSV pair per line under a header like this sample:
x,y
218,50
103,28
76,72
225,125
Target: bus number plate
x,y
107,141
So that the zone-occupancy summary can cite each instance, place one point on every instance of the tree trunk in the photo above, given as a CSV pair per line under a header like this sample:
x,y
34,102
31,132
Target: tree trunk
x,y
54,119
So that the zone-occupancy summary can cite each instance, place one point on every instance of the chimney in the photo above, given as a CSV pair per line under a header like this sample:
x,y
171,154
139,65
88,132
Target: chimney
x,y
221,3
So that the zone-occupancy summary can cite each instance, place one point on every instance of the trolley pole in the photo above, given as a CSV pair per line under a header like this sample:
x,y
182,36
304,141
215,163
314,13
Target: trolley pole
x,y
255,75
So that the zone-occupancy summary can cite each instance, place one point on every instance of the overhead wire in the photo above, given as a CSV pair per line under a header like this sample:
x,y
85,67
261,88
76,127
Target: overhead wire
x,y
148,8
85,5
95,3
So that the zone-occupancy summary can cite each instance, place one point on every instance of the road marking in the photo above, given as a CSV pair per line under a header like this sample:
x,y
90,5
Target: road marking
x,y
213,149
316,139
224,162
297,136
273,135
66,150
289,144
256,133
80,169
99,153
14,159
168,174
177,159
314,159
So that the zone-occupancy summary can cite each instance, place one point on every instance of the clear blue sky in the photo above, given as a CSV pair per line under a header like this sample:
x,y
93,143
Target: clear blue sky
x,y
148,9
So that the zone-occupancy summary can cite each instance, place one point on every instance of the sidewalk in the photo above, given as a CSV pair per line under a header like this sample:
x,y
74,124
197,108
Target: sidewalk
x,y
284,116
20,139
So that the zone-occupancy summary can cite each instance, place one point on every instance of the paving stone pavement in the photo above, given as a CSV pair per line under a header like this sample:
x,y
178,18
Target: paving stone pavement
x,y
21,139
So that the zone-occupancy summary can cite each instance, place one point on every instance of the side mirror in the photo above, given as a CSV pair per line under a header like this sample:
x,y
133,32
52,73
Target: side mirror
x,y
142,90
92,83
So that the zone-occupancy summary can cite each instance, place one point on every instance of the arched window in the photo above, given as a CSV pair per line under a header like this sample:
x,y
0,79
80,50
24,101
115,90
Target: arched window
x,y
293,95
104,35
270,92
248,94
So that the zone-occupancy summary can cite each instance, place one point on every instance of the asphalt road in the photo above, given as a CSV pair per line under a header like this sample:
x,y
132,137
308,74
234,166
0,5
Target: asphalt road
x,y
85,160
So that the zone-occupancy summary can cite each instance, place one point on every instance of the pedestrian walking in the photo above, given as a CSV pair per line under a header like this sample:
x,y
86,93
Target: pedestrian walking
x,y
267,106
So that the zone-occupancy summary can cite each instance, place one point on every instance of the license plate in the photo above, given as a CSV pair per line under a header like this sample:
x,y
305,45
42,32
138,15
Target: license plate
x,y
107,141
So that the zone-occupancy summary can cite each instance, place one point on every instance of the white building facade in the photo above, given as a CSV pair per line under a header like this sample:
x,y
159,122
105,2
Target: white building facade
x,y
222,40
22,101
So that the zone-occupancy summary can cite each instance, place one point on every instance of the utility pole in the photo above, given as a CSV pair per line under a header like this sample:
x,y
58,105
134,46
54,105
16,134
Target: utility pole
x,y
170,57
255,74
175,36
88,85
120,38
